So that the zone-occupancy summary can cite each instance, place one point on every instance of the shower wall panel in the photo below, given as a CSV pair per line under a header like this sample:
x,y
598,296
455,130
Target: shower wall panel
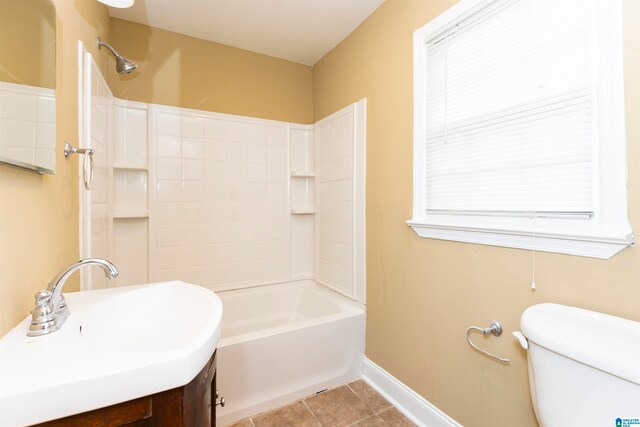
x,y
97,121
340,240
335,201
219,199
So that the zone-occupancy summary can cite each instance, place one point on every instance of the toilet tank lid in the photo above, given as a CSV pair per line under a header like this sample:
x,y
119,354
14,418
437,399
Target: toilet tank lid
x,y
608,343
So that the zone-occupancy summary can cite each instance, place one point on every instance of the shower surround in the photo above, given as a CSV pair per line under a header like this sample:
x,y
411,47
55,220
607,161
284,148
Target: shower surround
x,y
229,202
269,214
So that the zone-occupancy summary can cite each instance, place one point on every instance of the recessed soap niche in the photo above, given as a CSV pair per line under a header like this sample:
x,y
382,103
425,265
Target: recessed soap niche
x,y
303,176
130,192
302,200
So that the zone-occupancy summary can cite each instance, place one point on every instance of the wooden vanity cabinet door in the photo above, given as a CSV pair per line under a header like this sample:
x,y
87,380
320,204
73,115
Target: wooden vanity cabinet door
x,y
214,390
199,397
193,405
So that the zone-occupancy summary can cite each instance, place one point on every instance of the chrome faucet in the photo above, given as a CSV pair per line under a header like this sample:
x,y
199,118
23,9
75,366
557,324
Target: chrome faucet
x,y
51,310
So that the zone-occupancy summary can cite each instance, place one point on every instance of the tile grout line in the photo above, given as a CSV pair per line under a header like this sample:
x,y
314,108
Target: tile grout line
x,y
373,412
366,418
360,399
310,411
358,396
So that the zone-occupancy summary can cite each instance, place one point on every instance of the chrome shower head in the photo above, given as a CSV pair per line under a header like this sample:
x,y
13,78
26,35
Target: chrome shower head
x,y
123,65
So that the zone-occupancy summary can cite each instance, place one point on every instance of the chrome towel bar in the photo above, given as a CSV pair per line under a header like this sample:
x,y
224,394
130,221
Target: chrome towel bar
x,y
496,330
87,169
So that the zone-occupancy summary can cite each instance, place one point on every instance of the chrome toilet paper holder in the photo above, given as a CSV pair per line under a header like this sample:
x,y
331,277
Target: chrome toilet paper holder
x,y
494,329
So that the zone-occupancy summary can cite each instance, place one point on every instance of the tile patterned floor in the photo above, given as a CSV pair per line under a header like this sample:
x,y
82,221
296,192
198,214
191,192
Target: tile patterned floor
x,y
354,404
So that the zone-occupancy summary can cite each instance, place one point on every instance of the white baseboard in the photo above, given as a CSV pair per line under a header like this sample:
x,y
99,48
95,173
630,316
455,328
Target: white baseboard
x,y
410,403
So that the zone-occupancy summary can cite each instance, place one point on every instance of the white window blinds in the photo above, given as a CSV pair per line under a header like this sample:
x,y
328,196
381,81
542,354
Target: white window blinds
x,y
509,126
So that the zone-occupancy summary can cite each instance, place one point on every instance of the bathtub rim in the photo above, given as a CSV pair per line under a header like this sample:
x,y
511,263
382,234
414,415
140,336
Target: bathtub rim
x,y
347,307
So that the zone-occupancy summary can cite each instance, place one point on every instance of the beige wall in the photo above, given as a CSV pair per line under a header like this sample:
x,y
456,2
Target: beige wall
x,y
28,42
187,72
423,294
39,213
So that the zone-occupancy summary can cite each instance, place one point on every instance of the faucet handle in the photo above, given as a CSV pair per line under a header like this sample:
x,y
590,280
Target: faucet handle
x,y
43,298
44,310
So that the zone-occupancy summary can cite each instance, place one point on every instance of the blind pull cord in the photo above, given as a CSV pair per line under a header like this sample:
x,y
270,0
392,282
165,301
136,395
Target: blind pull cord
x,y
446,127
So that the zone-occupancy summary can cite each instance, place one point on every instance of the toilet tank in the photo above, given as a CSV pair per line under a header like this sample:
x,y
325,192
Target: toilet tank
x,y
584,366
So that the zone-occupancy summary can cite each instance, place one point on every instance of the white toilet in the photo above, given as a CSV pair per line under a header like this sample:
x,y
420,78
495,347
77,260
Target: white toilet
x,y
584,367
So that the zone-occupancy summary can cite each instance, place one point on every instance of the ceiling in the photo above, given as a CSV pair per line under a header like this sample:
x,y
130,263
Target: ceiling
x,y
296,30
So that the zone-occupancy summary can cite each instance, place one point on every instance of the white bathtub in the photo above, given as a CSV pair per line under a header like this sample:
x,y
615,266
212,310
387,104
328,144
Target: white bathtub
x,y
284,342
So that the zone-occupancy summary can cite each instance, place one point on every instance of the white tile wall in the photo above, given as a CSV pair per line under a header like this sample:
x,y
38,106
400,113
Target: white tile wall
x,y
130,192
27,125
130,139
220,205
335,248
220,199
131,251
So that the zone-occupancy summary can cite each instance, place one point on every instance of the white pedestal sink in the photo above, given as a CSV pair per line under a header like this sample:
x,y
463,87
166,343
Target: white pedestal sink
x,y
118,344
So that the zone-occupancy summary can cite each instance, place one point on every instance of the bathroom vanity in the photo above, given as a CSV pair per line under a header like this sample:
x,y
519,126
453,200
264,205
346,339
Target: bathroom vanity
x,y
192,405
123,357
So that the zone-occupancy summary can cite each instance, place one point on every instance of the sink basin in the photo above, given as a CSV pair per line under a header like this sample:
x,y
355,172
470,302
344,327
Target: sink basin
x,y
118,344
165,317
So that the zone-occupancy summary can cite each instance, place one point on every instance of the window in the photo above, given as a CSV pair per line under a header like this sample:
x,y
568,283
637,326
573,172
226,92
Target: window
x,y
519,134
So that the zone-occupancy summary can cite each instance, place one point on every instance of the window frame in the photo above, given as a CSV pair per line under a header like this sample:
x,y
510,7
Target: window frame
x,y
602,236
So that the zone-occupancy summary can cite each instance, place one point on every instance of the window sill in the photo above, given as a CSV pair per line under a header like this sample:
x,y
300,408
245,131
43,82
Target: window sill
x,y
600,247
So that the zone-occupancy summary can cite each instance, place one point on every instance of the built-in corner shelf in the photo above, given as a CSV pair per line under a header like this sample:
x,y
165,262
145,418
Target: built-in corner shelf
x,y
300,174
130,214
131,166
302,211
